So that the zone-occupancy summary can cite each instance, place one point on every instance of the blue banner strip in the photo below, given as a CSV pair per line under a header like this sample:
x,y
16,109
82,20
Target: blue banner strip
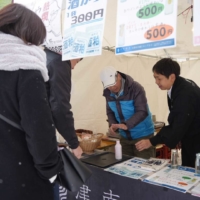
x,y
150,45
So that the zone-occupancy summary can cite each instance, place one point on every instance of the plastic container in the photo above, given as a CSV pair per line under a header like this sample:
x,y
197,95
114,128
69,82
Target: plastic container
x,y
118,150
174,158
197,164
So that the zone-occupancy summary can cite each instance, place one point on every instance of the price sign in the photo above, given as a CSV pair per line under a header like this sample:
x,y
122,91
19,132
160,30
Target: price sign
x,y
145,25
83,28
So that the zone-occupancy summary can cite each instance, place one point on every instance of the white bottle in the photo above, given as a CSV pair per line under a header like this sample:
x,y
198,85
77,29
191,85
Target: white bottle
x,y
118,150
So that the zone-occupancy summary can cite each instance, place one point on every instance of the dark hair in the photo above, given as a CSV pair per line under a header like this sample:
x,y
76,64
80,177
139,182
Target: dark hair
x,y
166,67
17,20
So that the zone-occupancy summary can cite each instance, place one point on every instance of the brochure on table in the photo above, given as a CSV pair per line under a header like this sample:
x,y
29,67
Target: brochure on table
x,y
180,179
154,164
145,25
130,168
196,190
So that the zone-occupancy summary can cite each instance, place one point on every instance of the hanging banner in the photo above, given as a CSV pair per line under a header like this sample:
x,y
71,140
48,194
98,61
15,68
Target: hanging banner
x,y
50,13
28,3
196,27
83,28
4,3
145,25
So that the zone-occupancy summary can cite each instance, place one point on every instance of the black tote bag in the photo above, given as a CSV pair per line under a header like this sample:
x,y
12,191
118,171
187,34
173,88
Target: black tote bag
x,y
74,173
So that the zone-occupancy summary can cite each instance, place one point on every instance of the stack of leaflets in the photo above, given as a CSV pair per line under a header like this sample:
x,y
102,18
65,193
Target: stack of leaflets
x,y
130,168
196,190
154,164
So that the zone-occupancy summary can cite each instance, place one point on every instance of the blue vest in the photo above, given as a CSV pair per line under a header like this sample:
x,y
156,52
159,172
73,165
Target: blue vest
x,y
144,128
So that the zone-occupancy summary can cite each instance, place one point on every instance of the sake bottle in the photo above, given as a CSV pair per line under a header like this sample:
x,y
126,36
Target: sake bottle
x,y
118,150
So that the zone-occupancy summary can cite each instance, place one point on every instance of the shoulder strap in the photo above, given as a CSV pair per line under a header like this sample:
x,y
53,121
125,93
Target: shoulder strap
x,y
11,122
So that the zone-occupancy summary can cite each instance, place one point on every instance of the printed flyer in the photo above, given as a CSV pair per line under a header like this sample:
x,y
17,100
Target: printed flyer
x,y
196,190
181,179
145,25
50,13
130,168
154,164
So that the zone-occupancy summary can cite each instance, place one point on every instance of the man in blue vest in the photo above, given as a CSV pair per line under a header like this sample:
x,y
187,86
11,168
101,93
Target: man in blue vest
x,y
127,111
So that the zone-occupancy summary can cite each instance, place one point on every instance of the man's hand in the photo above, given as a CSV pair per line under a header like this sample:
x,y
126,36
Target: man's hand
x,y
121,126
77,152
143,144
112,129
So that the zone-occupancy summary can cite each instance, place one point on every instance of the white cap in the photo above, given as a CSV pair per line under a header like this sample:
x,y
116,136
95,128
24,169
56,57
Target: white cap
x,y
108,76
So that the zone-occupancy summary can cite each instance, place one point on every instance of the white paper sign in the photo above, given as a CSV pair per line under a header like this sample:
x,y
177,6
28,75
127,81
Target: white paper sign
x,y
145,25
50,13
196,27
83,28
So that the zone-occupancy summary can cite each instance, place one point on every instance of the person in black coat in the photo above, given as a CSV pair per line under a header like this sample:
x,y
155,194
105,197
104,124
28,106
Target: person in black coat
x,y
59,93
184,117
29,158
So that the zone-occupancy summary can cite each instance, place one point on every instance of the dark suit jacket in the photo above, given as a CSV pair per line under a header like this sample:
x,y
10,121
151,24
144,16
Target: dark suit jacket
x,y
184,120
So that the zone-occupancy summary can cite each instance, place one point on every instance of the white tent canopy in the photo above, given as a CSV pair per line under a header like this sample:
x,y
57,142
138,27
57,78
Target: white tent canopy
x,y
88,104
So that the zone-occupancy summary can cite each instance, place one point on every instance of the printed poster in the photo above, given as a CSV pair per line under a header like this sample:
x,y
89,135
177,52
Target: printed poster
x,y
196,27
50,13
181,179
4,3
83,28
28,3
145,25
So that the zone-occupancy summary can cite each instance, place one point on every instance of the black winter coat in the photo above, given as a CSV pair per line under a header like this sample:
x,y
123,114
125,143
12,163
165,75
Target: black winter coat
x,y
59,93
184,121
27,159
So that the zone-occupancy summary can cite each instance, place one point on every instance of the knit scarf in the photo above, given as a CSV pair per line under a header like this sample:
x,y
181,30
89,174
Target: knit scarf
x,y
15,55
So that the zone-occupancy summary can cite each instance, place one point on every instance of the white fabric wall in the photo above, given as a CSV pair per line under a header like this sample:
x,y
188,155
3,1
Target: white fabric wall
x,y
88,104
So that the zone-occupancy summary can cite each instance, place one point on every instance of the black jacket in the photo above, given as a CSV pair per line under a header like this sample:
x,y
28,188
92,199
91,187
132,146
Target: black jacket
x,y
184,120
23,99
59,89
